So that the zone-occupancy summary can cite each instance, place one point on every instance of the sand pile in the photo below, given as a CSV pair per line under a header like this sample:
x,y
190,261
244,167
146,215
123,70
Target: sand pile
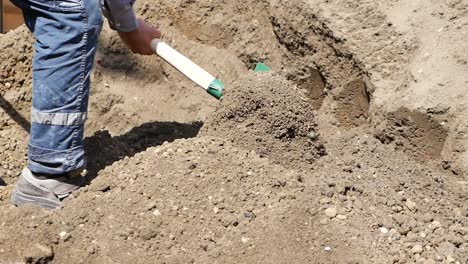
x,y
269,115
300,165
199,200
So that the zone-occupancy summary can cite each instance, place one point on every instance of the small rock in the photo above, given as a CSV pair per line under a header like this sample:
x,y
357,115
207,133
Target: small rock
x,y
245,240
417,249
156,212
100,186
411,205
313,135
91,250
450,259
64,236
39,254
150,206
383,230
341,217
427,217
412,237
331,212
328,249
325,201
229,220
435,225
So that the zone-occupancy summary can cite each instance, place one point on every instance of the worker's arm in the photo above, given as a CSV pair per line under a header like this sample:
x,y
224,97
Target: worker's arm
x,y
135,33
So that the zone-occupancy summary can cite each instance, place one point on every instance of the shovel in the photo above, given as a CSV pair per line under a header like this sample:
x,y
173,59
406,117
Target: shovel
x,y
187,67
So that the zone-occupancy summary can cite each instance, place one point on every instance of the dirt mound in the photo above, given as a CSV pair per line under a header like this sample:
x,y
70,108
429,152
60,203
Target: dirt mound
x,y
228,199
269,115
255,185
199,200
409,212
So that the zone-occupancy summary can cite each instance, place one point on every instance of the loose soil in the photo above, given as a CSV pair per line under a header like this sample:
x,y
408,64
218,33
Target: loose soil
x,y
336,156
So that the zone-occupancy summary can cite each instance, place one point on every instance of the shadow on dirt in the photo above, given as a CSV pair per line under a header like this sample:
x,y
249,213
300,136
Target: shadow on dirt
x,y
119,61
103,150
14,114
2,182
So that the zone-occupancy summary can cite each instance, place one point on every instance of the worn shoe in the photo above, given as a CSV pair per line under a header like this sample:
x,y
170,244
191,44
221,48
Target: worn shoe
x,y
44,192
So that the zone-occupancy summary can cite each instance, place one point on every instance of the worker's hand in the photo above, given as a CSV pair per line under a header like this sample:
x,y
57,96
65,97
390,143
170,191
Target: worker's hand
x,y
139,40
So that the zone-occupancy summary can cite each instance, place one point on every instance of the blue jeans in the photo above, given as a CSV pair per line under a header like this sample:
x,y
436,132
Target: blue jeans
x,y
66,33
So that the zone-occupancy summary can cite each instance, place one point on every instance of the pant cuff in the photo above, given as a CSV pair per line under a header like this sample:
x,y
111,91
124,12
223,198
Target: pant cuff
x,y
55,162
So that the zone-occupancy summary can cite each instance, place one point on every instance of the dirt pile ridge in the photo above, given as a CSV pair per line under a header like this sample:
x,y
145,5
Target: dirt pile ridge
x,y
193,200
269,115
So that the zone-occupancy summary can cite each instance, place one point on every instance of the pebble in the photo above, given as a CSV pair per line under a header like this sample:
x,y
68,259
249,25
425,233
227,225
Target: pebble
x,y
417,249
411,205
313,135
450,259
427,218
64,236
435,225
328,249
331,212
325,201
383,230
341,217
157,212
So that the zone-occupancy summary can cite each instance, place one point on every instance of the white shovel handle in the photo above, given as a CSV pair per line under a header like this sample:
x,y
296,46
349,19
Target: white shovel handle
x,y
187,67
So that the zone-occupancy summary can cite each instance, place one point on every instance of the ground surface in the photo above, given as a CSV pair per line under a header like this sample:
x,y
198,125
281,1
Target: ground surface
x,y
353,150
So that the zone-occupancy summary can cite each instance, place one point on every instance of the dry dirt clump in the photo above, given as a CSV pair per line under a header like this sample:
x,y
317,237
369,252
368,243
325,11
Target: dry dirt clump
x,y
269,115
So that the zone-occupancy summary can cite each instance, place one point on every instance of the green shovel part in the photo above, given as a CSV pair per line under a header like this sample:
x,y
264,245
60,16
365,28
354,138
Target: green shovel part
x,y
261,68
216,89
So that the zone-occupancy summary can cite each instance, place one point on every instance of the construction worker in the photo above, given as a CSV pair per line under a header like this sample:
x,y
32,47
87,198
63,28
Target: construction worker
x,y
66,36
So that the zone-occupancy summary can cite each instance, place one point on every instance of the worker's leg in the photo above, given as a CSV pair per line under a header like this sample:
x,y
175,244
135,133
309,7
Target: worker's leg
x,y
66,33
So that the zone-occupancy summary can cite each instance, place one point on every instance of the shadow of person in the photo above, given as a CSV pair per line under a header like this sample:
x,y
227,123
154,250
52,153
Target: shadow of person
x,y
103,150
14,114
